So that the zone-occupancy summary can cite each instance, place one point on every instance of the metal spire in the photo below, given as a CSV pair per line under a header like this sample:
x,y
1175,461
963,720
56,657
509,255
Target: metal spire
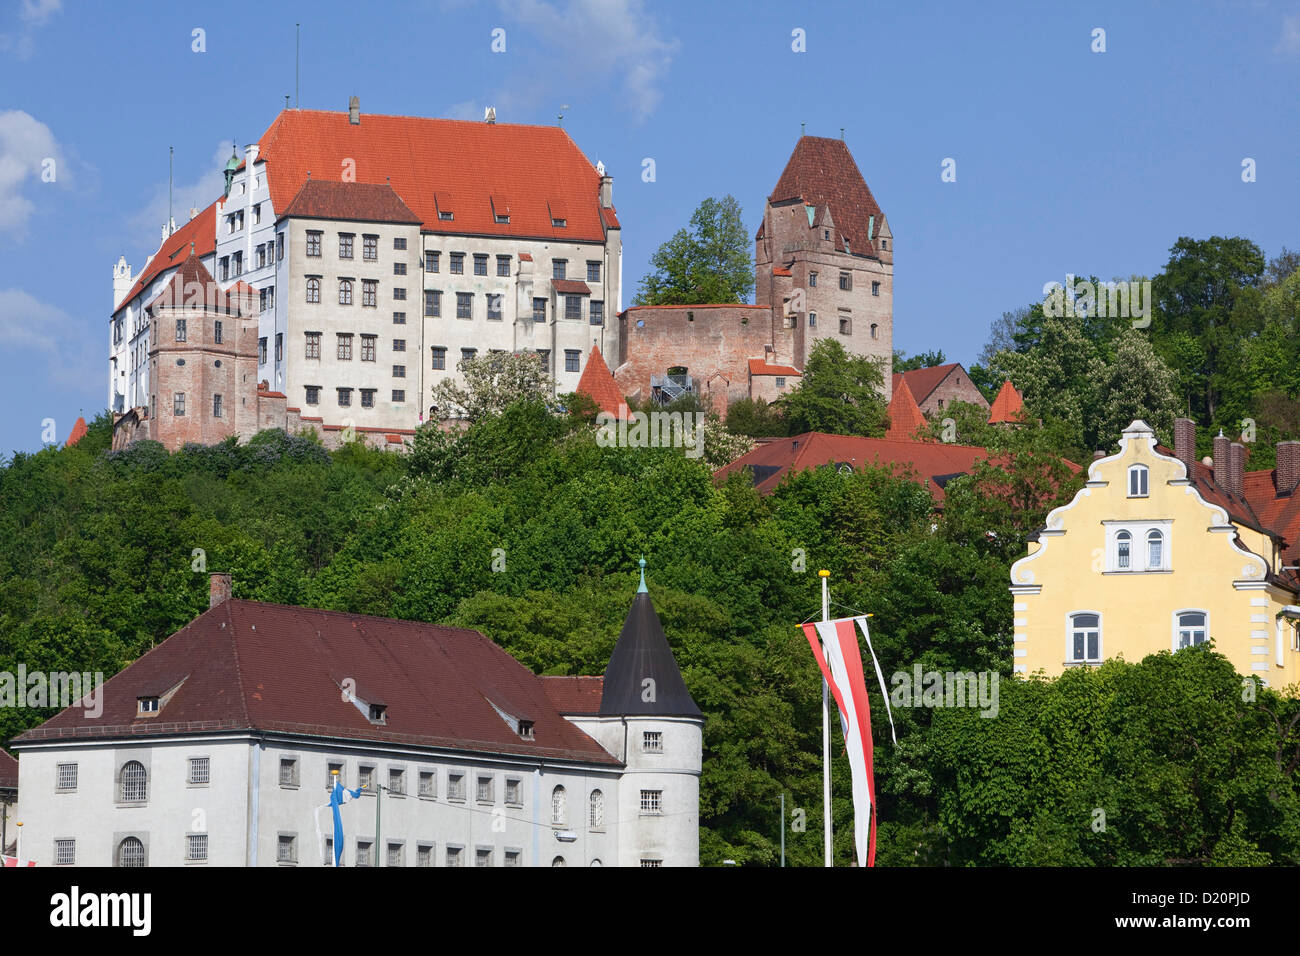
x,y
642,588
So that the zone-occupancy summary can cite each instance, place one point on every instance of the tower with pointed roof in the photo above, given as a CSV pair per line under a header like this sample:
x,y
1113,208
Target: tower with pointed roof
x,y
648,719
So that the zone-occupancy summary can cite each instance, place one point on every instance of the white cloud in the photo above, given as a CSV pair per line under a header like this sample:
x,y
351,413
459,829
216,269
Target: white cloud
x,y
74,353
620,42
195,194
1290,42
25,146
38,12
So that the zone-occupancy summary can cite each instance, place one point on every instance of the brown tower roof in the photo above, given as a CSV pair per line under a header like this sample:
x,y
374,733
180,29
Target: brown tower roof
x,y
821,171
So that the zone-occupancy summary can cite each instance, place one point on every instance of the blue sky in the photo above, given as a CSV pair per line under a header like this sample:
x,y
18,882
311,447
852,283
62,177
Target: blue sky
x,y
1066,159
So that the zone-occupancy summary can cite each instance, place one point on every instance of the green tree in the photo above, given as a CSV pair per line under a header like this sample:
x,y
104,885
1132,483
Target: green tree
x,y
756,418
710,262
492,382
921,360
839,393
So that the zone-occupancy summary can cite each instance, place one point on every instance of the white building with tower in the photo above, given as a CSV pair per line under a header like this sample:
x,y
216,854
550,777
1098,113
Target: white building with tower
x,y
217,748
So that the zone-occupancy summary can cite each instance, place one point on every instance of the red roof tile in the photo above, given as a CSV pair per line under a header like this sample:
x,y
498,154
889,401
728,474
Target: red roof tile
x,y
525,257
201,230
597,382
574,695
449,165
79,430
761,367
923,381
822,172
183,290
249,665
905,418
361,202
780,271
9,769
570,286
1007,406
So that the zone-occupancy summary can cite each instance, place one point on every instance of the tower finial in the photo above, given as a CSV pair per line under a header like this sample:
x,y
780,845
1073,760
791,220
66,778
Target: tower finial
x,y
642,588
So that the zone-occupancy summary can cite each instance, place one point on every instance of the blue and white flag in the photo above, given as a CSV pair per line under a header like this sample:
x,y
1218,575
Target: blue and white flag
x,y
338,796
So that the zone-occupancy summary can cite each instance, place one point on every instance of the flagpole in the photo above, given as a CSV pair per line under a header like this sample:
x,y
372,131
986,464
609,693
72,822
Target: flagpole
x,y
826,733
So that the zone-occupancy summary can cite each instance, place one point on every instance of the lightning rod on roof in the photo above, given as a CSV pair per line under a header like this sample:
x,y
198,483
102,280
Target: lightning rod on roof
x,y
297,58
803,129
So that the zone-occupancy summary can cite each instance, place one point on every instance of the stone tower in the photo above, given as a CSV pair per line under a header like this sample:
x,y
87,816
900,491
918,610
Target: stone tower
x,y
825,257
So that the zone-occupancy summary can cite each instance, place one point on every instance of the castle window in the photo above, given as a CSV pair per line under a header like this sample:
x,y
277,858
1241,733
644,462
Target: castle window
x,y
314,243
399,242
399,371
313,290
846,326
545,356
369,293
1155,551
480,264
261,256
826,233
1084,637
464,304
313,394
345,397
559,268
130,852
875,288
846,282
439,357
884,245
571,359
539,310
279,247
343,348
432,303
135,782
597,312
399,396
457,266
812,279
313,345
1123,551
593,270
596,810
780,382
652,741
345,292
1137,481
225,268
494,305
368,398
216,406
573,307
875,329
399,318
652,802
812,320
216,332
178,404
1190,627
559,807
239,263
467,354
370,247
279,346
368,347
180,330
345,245
431,261
503,266
399,345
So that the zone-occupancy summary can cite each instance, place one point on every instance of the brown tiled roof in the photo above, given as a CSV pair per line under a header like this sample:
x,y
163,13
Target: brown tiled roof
x,y
574,695
181,291
250,665
762,367
1007,405
905,418
361,202
571,286
9,769
201,230
822,172
708,305
923,381
445,165
597,382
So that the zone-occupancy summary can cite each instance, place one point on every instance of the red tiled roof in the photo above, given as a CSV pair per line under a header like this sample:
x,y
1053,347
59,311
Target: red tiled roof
x,y
79,430
525,257
1007,406
9,768
574,695
393,439
201,230
761,367
822,172
361,202
571,286
449,165
250,665
905,418
781,271
597,382
923,381
710,305
191,278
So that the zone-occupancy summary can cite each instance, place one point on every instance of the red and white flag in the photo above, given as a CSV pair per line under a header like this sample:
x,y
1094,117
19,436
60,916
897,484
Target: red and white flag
x,y
841,664
12,861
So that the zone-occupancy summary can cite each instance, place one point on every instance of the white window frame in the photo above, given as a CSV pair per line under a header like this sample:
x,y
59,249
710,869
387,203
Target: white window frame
x,y
1139,481
1138,549
1176,627
1069,638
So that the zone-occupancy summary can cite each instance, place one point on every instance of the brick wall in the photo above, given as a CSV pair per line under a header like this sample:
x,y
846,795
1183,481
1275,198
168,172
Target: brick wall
x,y
957,387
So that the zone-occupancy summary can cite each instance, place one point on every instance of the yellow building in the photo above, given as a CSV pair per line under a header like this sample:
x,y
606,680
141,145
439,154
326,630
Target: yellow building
x,y
1159,551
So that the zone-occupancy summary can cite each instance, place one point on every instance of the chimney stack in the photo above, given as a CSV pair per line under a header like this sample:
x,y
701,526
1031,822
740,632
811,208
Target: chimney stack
x,y
354,111
1185,444
1288,466
218,589
1222,465
1237,459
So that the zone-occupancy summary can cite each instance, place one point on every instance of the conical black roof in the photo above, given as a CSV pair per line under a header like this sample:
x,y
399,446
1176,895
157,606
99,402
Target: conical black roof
x,y
642,653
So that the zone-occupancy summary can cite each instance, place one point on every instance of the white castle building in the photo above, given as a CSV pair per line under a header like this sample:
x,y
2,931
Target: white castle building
x,y
381,250
218,747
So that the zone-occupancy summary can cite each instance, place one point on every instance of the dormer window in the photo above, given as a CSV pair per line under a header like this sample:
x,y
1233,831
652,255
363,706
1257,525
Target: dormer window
x,y
378,713
147,705
526,729
1137,481
559,223
445,216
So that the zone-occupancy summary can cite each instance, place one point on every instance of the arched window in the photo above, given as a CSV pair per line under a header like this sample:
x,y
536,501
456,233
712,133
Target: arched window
x,y
1124,551
135,782
1137,481
597,863
1155,550
596,818
558,861
874,329
559,807
345,292
313,290
130,852
1085,637
1189,628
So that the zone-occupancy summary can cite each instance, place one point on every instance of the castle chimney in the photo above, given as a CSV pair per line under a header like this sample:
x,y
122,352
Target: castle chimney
x,y
354,111
1288,466
1221,462
1237,459
218,589
1185,444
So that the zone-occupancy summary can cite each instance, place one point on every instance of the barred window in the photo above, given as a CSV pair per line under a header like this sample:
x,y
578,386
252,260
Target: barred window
x,y
455,786
652,741
559,807
545,355
344,346
313,290
197,848
369,292
329,773
454,856
368,397
485,790
288,772
369,247
313,394
286,849
200,770
428,783
464,304
345,245
66,778
596,815
646,861
363,852
396,854
135,782
482,857
512,858
180,330
368,347
345,292
65,853
366,778
313,242
130,852
345,397
424,855
216,332
313,345
397,780
652,802
512,791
